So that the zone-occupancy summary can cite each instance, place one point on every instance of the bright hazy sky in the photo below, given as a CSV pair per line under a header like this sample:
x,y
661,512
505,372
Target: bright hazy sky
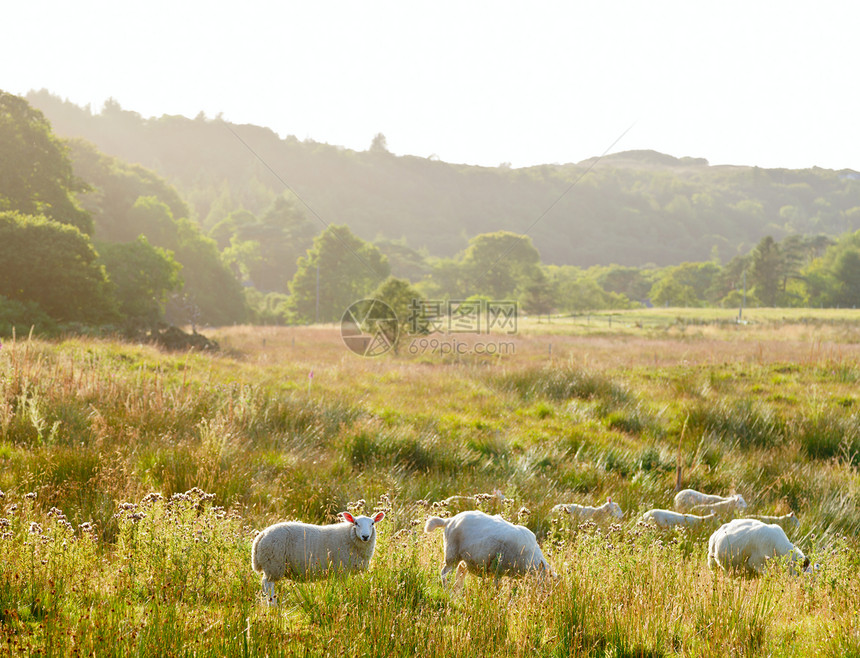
x,y
773,84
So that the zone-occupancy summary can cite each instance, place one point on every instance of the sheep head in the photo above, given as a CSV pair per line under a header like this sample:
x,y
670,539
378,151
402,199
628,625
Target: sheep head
x,y
614,508
363,526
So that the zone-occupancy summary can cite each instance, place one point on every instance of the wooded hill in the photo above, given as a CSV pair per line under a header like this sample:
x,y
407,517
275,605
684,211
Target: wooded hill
x,y
630,208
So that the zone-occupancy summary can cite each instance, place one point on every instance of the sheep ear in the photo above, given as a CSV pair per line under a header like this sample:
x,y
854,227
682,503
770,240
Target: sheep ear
x,y
609,500
378,517
348,517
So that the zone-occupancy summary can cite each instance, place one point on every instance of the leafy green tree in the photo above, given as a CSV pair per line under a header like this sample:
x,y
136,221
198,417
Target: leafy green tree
x,y
284,234
406,263
539,296
55,266
632,282
767,269
575,291
228,228
497,264
36,175
211,292
846,271
151,217
143,276
446,280
669,291
115,188
267,309
242,256
403,298
338,270
267,249
687,284
19,318
379,144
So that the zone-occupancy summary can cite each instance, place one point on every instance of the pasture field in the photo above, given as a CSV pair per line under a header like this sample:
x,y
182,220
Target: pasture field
x,y
133,481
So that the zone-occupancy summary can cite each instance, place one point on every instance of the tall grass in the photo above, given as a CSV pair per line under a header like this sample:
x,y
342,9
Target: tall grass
x,y
96,562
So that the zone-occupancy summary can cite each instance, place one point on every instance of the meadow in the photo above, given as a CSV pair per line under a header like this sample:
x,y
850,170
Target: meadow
x,y
134,480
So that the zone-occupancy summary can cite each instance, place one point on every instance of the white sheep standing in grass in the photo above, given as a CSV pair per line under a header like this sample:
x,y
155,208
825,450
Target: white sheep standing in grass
x,y
487,545
787,522
667,519
608,510
746,545
302,551
690,499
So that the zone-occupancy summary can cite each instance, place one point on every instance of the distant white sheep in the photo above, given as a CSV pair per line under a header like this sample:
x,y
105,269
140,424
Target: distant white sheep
x,y
607,511
731,505
667,519
487,545
302,551
787,522
690,499
746,545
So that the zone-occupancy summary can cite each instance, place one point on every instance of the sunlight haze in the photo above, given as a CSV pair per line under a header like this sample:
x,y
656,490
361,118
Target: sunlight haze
x,y
766,83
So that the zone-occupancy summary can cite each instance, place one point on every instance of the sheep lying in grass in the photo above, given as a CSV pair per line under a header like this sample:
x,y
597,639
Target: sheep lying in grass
x,y
487,545
667,519
690,499
746,545
302,551
608,510
787,522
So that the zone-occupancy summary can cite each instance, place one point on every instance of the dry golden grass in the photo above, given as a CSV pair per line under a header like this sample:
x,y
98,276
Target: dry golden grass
x,y
770,411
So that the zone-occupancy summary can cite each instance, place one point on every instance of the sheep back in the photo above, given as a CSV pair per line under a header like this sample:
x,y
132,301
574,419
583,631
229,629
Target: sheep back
x,y
489,544
586,512
745,545
687,499
666,519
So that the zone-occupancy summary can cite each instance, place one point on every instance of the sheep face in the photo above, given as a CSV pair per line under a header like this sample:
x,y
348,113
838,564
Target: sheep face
x,y
614,509
363,526
741,503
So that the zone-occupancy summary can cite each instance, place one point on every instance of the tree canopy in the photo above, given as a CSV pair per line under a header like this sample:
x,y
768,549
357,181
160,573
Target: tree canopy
x,y
36,175
338,270
55,266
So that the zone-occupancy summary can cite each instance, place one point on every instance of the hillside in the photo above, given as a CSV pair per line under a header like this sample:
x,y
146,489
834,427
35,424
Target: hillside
x,y
628,208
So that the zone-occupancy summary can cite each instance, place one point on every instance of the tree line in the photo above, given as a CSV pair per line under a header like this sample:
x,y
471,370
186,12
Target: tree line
x,y
89,240
633,208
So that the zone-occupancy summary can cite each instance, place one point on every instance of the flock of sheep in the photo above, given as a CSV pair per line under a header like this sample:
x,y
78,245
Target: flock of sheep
x,y
489,545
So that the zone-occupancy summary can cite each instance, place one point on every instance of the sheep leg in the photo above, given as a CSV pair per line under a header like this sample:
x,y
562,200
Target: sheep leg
x,y
461,576
445,571
269,592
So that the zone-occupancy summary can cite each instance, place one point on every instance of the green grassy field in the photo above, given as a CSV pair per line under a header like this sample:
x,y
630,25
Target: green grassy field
x,y
92,562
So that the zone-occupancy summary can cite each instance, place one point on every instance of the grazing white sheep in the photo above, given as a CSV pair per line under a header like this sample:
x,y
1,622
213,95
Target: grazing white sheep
x,y
689,499
667,519
302,551
787,522
726,507
487,545
608,510
745,546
